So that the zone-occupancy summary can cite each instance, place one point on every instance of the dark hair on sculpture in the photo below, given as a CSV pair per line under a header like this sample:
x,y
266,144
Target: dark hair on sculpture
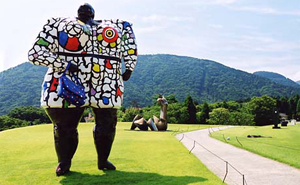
x,y
86,11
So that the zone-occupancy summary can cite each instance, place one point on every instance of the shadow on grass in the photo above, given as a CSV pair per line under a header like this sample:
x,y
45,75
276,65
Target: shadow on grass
x,y
137,130
122,177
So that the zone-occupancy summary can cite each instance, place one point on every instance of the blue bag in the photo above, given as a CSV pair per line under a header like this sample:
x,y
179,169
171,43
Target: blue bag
x,y
70,91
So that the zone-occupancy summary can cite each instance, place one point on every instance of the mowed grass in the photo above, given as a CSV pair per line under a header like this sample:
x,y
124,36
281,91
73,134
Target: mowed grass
x,y
279,144
28,156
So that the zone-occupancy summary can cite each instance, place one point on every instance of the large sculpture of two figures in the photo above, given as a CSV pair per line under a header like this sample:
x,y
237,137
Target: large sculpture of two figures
x,y
155,124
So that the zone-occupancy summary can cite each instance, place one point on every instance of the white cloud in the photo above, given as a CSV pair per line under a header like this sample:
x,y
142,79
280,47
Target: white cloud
x,y
261,43
233,5
223,2
1,60
163,18
296,76
156,22
216,26
149,29
210,2
203,4
265,10
285,65
1,64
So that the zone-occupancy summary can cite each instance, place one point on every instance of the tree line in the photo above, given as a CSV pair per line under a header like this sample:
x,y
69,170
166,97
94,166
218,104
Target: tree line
x,y
257,111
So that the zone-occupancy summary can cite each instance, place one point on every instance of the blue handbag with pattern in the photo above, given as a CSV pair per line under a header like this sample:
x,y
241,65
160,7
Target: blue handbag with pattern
x,y
71,91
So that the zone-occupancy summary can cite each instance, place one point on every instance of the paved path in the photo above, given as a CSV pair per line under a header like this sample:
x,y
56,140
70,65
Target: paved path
x,y
257,170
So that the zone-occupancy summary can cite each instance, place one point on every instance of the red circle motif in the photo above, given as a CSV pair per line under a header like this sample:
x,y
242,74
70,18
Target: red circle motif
x,y
110,34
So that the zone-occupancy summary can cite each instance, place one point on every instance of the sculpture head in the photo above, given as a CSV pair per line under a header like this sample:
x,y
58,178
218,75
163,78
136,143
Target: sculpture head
x,y
161,99
86,13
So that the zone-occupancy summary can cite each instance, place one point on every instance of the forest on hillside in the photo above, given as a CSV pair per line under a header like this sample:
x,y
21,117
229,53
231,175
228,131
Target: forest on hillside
x,y
277,78
205,80
258,111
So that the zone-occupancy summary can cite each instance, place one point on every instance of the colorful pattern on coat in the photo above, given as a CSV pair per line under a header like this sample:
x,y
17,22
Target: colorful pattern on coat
x,y
97,51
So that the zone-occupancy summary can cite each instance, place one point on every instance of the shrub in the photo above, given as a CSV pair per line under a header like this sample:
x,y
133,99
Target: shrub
x,y
130,113
219,116
30,113
241,118
177,113
7,122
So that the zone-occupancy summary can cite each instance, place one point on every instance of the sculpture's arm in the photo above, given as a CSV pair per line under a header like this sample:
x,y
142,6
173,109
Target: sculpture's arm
x,y
45,47
129,47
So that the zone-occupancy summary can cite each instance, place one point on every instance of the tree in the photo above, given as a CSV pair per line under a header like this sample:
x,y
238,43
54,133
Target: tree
x,y
225,105
177,113
282,105
203,116
292,106
30,113
298,110
293,101
171,99
233,106
191,109
262,109
7,122
219,116
134,103
130,113
241,118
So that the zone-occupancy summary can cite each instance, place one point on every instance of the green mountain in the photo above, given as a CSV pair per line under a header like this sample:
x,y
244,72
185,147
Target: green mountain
x,y
277,78
204,80
20,85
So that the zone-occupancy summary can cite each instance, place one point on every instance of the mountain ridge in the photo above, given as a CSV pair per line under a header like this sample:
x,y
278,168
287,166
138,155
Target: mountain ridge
x,y
277,78
205,80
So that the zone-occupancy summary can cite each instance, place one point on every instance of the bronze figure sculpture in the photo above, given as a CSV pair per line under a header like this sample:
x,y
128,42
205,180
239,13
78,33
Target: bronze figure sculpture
x,y
157,124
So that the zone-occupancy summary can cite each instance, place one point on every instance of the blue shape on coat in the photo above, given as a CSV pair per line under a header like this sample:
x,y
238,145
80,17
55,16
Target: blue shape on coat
x,y
105,100
62,38
125,24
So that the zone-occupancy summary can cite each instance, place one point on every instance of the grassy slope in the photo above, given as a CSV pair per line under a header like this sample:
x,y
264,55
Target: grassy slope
x,y
284,146
27,156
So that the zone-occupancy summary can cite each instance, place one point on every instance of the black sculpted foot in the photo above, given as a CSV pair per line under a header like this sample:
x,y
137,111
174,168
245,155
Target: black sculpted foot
x,y
106,166
62,169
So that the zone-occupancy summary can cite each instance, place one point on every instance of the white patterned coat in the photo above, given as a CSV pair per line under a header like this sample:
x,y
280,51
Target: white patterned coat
x,y
97,51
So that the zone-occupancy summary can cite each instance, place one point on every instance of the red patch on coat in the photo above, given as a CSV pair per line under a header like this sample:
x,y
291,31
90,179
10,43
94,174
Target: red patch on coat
x,y
54,84
108,64
72,44
119,92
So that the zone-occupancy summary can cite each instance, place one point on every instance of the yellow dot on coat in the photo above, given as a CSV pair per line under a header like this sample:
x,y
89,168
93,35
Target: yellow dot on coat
x,y
118,71
100,50
131,52
113,44
96,68
99,37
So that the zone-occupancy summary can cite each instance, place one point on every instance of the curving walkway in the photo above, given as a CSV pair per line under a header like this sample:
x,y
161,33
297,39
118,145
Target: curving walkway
x,y
257,170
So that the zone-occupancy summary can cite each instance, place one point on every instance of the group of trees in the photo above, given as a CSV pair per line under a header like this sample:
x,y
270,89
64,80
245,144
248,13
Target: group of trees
x,y
23,116
257,111
289,106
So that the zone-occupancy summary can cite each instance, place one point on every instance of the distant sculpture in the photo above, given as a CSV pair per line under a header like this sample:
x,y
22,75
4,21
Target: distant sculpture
x,y
157,124
275,119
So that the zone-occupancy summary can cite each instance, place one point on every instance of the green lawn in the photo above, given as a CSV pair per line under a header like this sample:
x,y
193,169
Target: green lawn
x,y
27,156
280,144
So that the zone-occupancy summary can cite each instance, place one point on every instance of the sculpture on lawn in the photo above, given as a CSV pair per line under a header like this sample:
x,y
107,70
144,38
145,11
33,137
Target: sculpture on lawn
x,y
155,124
93,50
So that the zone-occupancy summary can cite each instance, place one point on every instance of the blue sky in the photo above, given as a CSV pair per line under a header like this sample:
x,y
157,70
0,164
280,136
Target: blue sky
x,y
250,35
